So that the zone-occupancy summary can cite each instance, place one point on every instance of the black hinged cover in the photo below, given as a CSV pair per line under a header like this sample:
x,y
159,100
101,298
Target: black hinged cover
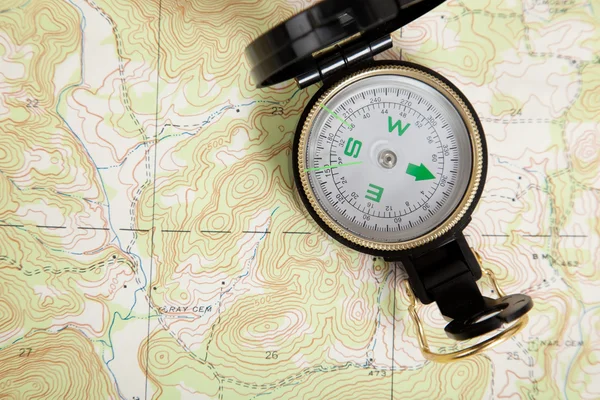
x,y
286,51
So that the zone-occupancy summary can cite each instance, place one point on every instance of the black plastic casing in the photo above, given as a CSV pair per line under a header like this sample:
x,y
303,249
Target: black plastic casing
x,y
286,51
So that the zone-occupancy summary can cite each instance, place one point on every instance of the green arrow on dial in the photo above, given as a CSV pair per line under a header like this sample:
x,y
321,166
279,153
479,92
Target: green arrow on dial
x,y
420,172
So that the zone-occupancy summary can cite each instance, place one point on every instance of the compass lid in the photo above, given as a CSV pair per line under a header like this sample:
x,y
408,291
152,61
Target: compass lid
x,y
293,47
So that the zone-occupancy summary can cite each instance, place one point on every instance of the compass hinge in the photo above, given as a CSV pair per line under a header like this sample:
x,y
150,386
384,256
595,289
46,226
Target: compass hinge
x,y
342,59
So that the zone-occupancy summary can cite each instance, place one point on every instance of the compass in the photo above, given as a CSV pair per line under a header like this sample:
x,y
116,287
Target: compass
x,y
389,157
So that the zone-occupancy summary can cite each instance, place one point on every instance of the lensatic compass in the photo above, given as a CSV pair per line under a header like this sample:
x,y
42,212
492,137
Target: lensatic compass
x,y
390,158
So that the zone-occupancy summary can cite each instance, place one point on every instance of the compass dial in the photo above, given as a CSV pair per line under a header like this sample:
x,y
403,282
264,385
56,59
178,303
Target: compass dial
x,y
387,157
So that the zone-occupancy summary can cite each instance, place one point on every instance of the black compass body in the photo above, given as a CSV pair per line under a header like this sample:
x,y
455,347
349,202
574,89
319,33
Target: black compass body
x,y
389,156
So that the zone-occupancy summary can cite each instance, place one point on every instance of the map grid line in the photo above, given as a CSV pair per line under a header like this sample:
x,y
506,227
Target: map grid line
x,y
152,229
393,327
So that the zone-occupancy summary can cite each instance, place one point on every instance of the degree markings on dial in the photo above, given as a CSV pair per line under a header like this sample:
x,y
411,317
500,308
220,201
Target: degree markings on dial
x,y
335,115
362,111
342,131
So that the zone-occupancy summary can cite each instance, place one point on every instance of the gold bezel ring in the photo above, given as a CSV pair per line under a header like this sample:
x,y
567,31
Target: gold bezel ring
x,y
476,155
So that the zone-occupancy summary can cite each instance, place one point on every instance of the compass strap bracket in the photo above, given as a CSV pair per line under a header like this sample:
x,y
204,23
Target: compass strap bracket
x,y
465,352
340,58
448,275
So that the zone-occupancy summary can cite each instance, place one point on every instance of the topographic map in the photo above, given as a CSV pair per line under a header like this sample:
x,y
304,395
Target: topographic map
x,y
152,245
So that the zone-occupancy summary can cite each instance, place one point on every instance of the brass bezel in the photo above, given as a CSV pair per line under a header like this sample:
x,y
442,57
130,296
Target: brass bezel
x,y
476,153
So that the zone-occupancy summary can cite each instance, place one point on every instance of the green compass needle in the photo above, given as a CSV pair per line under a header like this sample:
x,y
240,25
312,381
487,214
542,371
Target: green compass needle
x,y
332,166
335,115
420,172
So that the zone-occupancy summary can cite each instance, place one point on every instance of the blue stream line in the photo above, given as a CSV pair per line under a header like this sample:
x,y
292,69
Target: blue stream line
x,y
60,98
249,261
111,346
379,313
22,6
204,123
116,238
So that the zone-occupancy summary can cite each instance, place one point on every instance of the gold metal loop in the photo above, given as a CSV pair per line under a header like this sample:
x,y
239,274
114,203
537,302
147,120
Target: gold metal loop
x,y
469,351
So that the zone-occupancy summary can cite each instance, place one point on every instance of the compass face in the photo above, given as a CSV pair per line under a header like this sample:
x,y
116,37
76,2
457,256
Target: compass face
x,y
386,158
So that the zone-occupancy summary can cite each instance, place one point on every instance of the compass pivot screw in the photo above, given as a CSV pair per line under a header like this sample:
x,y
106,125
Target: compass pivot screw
x,y
387,159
